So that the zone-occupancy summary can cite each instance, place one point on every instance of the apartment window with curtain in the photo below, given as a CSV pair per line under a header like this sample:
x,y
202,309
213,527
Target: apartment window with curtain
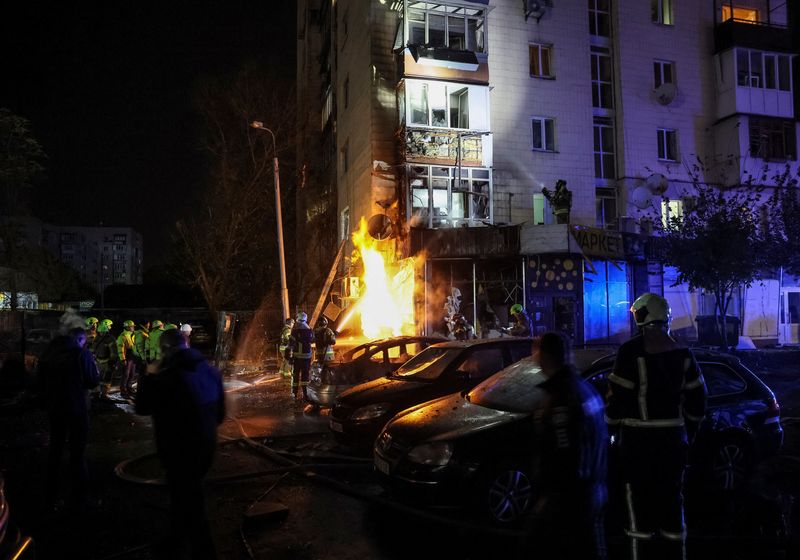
x,y
540,60
661,12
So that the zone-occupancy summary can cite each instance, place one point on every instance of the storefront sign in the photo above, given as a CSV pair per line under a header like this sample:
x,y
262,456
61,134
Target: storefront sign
x,y
596,242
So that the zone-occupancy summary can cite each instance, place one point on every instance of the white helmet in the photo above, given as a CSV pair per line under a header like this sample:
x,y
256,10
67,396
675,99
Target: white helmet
x,y
651,308
186,328
302,317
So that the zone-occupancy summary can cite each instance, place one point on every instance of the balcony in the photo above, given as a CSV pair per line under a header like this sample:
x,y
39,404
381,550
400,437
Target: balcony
x,y
752,34
437,146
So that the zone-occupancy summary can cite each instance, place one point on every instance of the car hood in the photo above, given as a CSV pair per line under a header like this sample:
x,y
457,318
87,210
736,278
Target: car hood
x,y
447,418
382,390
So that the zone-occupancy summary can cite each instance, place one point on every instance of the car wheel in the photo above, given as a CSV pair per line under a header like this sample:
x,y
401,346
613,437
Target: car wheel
x,y
509,495
730,464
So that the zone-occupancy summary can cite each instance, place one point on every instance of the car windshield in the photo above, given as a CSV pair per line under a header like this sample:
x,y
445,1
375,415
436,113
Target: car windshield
x,y
357,352
428,364
513,389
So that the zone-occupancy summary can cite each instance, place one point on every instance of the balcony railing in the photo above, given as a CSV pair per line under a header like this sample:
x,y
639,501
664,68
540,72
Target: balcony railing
x,y
752,34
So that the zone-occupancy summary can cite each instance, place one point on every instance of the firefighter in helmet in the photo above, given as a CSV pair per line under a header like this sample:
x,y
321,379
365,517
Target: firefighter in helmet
x,y
105,353
522,323
127,359
300,341
324,339
91,332
656,401
284,351
152,351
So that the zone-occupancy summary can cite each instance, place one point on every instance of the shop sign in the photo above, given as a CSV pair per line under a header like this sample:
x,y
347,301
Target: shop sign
x,y
601,243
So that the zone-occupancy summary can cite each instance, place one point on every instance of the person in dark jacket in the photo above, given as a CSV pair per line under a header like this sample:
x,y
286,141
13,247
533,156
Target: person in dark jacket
x,y
186,399
67,371
300,342
570,458
656,401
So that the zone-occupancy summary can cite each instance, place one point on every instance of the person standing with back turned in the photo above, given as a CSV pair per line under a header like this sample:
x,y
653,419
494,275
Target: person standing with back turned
x,y
656,401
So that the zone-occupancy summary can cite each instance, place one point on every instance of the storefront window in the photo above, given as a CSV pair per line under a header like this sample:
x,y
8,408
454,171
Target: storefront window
x,y
606,303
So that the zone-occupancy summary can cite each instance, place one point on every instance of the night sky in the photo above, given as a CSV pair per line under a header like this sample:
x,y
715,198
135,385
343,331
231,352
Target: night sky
x,y
108,92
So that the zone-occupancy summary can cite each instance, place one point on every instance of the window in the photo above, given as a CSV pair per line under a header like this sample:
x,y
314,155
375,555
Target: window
x,y
749,15
482,363
542,214
327,107
543,134
721,380
344,224
661,12
763,70
438,25
671,210
600,18
606,303
606,207
439,199
773,139
667,144
663,72
539,58
602,92
604,160
438,105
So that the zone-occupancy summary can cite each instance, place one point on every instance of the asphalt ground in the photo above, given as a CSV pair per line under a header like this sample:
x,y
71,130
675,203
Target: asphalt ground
x,y
279,457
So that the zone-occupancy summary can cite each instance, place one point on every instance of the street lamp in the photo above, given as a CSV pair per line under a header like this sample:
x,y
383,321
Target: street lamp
x,y
278,216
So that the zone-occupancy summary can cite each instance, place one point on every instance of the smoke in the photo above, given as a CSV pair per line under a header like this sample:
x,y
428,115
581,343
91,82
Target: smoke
x,y
70,320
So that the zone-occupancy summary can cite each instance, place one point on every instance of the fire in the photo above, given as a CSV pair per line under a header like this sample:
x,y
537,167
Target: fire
x,y
386,304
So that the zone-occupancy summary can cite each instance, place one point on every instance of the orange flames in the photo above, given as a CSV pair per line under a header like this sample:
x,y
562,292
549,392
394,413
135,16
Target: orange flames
x,y
386,302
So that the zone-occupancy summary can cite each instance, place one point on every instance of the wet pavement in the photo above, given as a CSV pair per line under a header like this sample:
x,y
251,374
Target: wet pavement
x,y
276,453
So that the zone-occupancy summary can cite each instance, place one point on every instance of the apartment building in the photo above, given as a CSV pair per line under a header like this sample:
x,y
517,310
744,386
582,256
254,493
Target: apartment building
x,y
442,123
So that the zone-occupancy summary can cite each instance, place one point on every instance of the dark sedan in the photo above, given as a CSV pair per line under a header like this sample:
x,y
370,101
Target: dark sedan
x,y
363,363
439,370
436,450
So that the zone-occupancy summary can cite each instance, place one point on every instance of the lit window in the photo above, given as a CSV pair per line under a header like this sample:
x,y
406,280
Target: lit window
x,y
663,72
667,144
438,105
602,88
661,12
748,15
600,18
543,134
539,56
671,212
604,160
542,213
439,25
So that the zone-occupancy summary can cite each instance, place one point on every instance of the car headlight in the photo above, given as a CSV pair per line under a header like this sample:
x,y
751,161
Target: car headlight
x,y
436,453
371,411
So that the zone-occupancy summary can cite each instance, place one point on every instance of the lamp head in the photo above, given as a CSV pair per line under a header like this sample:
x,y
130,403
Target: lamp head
x,y
257,124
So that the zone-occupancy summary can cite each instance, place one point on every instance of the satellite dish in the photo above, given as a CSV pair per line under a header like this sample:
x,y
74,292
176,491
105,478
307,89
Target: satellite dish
x,y
534,8
379,227
641,197
665,93
657,183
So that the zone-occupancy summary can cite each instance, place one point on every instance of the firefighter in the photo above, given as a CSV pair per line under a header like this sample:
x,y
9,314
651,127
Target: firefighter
x,y
324,339
463,330
284,351
126,359
91,332
522,323
140,337
300,343
656,400
186,329
152,352
105,353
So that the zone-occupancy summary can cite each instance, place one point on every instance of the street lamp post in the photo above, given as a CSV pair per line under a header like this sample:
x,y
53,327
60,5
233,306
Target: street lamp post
x,y
278,217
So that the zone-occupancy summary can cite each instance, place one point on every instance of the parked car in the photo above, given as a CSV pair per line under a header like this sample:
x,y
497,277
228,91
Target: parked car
x,y
363,363
360,412
12,543
471,448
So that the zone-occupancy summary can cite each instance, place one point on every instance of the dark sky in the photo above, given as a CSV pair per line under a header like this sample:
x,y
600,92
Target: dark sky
x,y
108,92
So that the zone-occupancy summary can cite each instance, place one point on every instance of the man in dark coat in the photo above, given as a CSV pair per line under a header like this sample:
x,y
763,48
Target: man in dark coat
x,y
570,460
186,399
67,371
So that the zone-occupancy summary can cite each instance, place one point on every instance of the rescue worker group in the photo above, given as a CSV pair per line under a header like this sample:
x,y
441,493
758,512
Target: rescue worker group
x,y
128,354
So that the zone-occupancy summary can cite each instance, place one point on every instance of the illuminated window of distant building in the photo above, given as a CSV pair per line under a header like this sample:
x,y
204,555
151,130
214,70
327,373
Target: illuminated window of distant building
x,y
539,59
749,15
671,211
543,134
600,18
604,159
344,224
773,139
663,72
602,88
667,144
661,12
542,214
441,25
605,207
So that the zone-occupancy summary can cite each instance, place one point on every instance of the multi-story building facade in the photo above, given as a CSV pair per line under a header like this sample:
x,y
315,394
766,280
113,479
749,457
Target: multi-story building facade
x,y
444,121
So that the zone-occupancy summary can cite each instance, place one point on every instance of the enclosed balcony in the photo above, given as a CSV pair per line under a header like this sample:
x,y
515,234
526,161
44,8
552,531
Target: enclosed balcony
x,y
756,24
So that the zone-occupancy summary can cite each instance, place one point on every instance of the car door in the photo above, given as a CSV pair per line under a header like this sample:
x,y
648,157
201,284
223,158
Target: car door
x,y
481,362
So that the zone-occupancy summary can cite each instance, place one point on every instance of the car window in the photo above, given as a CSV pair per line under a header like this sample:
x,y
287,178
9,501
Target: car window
x,y
519,351
513,389
428,364
481,363
378,357
721,379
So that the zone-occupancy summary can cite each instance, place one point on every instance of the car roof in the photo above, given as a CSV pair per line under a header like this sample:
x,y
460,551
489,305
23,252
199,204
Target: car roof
x,y
700,354
482,342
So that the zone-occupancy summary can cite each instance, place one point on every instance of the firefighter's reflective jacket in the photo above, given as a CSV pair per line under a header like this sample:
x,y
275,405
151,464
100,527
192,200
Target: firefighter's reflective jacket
x,y
125,346
140,337
300,341
324,338
661,390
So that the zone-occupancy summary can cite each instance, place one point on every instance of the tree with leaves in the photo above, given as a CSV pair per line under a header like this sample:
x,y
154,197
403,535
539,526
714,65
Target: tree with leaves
x,y
784,213
231,245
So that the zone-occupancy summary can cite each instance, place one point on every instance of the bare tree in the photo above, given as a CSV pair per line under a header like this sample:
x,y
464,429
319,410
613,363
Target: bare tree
x,y
231,244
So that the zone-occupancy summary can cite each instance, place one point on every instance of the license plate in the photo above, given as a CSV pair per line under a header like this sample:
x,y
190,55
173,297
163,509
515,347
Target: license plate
x,y
336,427
381,465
